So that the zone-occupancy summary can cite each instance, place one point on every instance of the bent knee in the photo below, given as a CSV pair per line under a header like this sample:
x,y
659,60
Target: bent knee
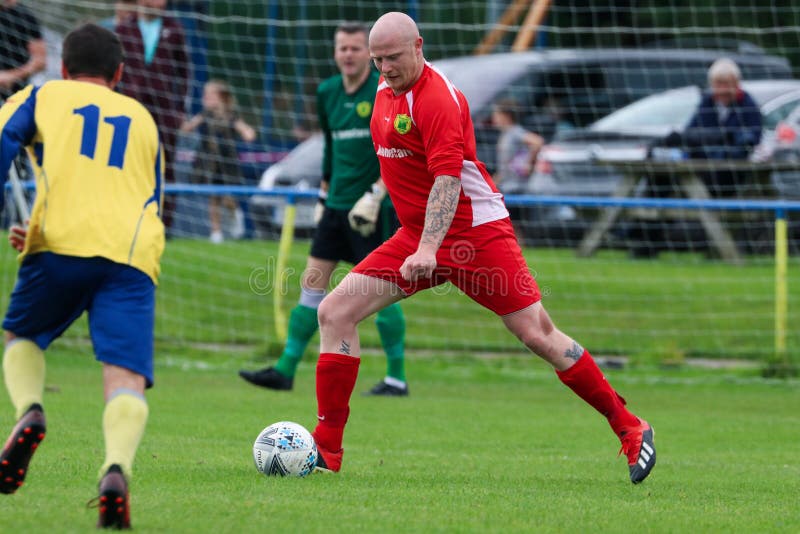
x,y
332,312
535,340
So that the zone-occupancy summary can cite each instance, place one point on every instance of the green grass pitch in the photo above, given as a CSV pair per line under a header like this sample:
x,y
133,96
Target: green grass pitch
x,y
493,445
489,439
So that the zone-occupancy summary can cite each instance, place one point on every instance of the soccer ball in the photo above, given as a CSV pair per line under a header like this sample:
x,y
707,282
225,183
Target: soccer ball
x,y
285,449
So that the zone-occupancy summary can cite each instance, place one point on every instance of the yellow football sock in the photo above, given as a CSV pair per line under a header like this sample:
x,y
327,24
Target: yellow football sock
x,y
23,370
124,420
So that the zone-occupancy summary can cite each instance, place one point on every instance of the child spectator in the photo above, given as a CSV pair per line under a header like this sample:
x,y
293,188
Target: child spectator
x,y
217,160
517,149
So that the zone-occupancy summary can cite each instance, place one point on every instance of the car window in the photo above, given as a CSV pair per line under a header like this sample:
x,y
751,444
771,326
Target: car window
x,y
643,77
780,113
753,69
673,108
481,80
523,91
579,90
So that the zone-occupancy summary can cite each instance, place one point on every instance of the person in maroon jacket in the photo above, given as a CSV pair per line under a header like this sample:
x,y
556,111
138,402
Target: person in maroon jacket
x,y
157,75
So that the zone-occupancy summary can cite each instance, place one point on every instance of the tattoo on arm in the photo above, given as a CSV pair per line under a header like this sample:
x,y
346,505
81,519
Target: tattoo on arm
x,y
574,352
345,347
442,204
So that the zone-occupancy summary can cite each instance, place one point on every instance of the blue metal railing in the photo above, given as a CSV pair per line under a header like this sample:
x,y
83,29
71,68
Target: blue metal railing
x,y
292,195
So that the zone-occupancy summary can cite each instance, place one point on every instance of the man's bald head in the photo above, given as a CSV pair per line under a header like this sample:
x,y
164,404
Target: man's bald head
x,y
396,49
394,26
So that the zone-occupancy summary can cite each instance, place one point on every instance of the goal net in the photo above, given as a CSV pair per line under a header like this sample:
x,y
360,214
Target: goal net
x,y
655,282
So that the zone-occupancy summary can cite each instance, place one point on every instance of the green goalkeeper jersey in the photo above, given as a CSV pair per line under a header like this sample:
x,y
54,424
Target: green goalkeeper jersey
x,y
349,159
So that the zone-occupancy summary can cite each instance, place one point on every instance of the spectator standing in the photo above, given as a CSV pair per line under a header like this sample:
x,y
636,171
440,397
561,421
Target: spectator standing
x,y
123,9
22,49
217,160
157,75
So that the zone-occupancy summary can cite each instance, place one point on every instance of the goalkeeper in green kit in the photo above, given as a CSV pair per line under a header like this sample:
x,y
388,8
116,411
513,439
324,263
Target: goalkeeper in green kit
x,y
354,214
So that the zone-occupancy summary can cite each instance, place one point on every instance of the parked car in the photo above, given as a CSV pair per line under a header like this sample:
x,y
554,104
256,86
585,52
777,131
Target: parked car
x,y
785,147
586,84
300,169
716,43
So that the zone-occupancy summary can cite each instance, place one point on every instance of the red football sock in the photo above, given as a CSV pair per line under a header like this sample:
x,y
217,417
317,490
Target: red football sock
x,y
336,378
586,379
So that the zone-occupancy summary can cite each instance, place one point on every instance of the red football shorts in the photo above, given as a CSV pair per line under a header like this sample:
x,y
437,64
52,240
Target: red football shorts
x,y
485,262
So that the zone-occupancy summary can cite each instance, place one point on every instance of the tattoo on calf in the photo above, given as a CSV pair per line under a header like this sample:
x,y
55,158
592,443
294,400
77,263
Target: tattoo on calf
x,y
345,347
574,352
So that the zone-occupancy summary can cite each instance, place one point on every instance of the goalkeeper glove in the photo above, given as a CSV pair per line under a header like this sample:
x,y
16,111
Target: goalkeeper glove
x,y
319,208
363,216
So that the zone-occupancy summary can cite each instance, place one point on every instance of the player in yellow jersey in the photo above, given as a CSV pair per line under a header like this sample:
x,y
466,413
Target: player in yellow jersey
x,y
93,244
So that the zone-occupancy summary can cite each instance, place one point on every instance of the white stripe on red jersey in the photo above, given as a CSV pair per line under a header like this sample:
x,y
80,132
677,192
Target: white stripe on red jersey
x,y
487,203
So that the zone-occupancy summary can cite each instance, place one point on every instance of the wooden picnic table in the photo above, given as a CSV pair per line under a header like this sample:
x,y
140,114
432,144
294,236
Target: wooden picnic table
x,y
687,173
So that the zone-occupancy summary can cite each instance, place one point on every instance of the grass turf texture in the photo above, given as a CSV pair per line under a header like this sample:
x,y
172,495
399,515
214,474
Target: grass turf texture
x,y
481,445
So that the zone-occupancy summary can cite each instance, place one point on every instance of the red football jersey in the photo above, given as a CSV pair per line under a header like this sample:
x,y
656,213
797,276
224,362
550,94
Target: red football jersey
x,y
424,133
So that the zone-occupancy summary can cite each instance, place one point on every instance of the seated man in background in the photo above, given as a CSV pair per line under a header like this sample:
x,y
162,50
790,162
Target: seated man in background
x,y
726,125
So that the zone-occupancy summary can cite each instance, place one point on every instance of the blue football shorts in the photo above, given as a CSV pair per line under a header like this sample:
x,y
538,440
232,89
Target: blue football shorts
x,y
53,290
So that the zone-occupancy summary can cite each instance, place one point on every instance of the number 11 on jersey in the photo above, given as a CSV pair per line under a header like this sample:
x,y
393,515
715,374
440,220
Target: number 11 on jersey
x,y
119,140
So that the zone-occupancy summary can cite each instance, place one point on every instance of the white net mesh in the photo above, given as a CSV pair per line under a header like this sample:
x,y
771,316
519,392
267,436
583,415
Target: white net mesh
x,y
590,58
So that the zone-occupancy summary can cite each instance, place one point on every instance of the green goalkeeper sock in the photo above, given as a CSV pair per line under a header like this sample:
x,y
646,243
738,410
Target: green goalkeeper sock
x,y
302,326
392,328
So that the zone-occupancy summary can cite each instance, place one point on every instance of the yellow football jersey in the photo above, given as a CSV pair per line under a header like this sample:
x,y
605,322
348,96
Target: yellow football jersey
x,y
99,169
